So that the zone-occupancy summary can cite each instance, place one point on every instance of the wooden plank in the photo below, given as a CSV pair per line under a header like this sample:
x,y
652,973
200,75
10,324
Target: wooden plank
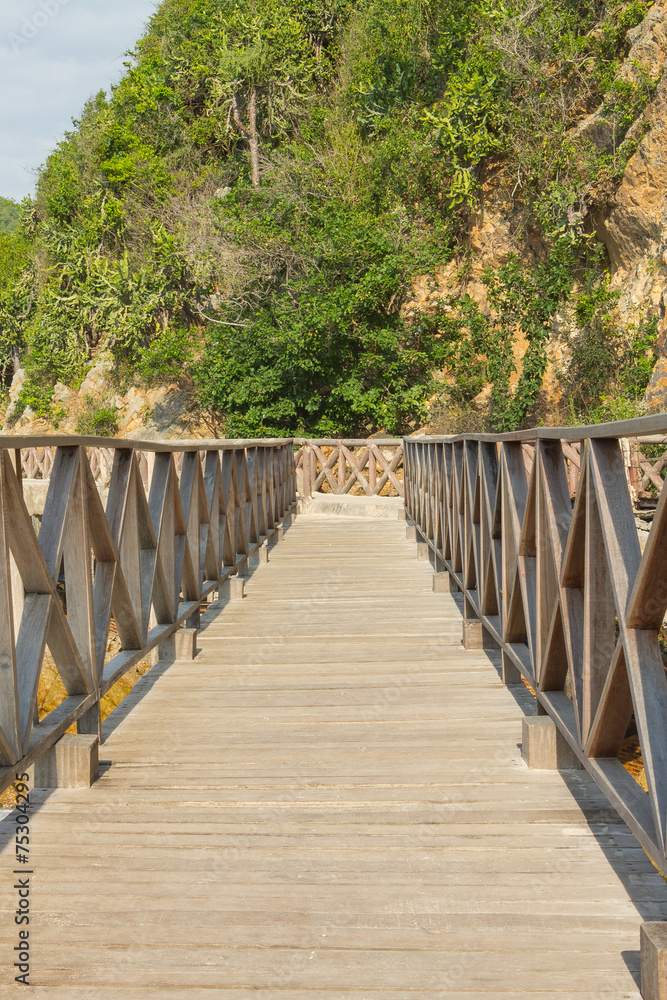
x,y
553,672
614,711
10,727
647,603
350,813
599,616
30,643
77,562
58,502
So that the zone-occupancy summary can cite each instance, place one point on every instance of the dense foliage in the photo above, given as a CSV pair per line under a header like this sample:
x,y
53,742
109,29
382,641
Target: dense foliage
x,y
10,215
248,206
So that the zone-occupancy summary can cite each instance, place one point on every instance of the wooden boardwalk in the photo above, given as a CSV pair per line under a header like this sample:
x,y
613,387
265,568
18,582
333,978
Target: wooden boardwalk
x,y
330,802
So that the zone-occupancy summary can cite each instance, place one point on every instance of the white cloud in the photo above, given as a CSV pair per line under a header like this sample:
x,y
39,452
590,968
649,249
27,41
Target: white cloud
x,y
54,54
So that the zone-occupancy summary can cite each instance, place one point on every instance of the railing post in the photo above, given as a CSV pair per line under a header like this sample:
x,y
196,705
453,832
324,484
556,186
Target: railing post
x,y
306,480
634,466
510,672
90,723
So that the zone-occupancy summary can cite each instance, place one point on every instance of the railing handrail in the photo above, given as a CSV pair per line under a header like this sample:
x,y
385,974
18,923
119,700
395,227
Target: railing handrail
x,y
636,427
12,442
356,442
563,588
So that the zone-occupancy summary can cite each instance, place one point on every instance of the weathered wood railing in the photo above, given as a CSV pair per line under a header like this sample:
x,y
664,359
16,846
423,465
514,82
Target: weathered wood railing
x,y
373,466
181,518
561,585
644,475
36,463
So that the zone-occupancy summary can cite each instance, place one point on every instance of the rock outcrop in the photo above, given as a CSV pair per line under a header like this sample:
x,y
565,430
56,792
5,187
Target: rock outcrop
x,y
634,225
164,411
630,218
635,231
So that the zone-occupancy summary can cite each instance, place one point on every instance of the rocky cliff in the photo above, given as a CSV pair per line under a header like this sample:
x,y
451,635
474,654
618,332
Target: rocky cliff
x,y
99,407
627,213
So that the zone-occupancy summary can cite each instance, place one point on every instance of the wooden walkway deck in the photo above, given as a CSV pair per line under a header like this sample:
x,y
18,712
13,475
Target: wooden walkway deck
x,y
330,802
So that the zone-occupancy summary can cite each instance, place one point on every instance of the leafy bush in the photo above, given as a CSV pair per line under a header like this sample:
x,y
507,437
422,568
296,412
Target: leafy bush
x,y
608,368
36,395
10,215
326,350
96,420
16,299
166,359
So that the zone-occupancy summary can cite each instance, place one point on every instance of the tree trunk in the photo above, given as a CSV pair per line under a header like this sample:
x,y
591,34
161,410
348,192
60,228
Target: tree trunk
x,y
249,131
254,138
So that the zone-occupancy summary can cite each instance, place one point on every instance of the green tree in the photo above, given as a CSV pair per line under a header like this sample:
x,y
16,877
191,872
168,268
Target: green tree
x,y
247,69
10,215
327,351
17,298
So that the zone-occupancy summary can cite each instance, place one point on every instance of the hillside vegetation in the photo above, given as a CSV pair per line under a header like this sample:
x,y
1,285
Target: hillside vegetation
x,y
10,215
247,209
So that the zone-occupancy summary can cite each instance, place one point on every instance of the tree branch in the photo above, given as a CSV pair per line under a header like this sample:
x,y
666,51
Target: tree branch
x,y
218,322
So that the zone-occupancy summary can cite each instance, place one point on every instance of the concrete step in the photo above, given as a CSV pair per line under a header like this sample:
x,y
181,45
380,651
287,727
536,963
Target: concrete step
x,y
391,508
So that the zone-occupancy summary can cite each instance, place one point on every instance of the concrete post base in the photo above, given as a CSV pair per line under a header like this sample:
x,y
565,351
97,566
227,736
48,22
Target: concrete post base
x,y
185,643
180,645
422,551
411,532
71,763
443,583
653,945
263,554
235,587
473,634
544,747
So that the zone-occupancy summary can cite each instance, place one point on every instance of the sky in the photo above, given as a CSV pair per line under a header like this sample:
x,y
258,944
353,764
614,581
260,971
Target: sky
x,y
54,55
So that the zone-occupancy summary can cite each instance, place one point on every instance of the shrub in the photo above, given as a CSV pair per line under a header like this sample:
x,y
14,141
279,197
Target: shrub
x,y
96,420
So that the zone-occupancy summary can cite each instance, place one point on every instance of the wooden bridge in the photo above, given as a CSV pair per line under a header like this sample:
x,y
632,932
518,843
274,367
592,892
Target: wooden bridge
x,y
319,790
